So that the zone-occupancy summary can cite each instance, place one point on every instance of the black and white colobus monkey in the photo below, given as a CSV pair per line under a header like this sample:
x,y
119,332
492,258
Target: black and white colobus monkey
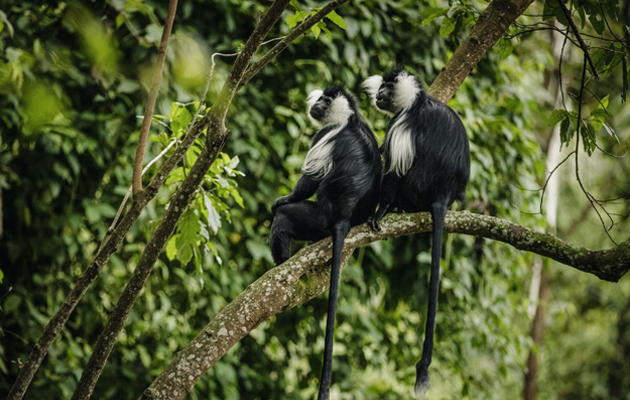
x,y
343,168
427,165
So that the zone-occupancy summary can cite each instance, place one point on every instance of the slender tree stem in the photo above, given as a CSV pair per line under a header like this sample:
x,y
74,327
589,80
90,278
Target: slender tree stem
x,y
153,93
576,32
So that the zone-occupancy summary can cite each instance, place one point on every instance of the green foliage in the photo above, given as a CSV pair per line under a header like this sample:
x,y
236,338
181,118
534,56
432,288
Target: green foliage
x,y
73,94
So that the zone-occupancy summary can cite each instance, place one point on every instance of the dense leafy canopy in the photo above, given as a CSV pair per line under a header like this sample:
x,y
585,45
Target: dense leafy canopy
x,y
73,78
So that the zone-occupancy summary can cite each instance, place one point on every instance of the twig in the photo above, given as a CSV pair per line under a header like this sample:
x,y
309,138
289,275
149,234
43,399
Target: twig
x,y
542,196
153,92
589,196
307,24
583,45
146,168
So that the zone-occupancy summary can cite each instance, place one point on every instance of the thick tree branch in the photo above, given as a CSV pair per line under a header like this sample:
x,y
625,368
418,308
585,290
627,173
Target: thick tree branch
x,y
491,25
153,93
307,275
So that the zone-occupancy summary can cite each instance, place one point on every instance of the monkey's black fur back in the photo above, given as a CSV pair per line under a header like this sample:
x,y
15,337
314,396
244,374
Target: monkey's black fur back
x,y
427,164
441,166
343,168
351,187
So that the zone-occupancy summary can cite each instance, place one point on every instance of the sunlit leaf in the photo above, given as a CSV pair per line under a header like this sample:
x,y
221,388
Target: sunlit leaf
x,y
337,20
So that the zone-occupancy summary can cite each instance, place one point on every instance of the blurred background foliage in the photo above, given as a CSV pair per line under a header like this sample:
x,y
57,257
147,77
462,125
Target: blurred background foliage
x,y
73,79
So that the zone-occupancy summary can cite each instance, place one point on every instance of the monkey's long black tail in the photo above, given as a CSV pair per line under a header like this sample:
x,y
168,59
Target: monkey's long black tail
x,y
438,212
340,230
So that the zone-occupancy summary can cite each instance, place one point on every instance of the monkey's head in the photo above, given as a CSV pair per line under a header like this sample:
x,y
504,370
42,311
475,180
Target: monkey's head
x,y
331,106
394,91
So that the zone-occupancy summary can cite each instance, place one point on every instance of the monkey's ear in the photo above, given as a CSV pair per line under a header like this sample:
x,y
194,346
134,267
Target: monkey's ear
x,y
372,84
312,97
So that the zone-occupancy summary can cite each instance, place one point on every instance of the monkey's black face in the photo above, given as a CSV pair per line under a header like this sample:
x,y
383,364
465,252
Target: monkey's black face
x,y
321,106
385,97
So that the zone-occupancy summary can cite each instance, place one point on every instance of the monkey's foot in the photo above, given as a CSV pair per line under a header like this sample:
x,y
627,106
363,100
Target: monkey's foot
x,y
422,383
374,223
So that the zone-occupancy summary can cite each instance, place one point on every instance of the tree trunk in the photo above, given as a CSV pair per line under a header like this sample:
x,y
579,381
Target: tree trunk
x,y
529,391
491,25
541,290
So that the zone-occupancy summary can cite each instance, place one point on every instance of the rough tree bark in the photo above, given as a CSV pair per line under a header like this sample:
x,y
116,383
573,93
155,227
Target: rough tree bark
x,y
307,275
114,238
491,25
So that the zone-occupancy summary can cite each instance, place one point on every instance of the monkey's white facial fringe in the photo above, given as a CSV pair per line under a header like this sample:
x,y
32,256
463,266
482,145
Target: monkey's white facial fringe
x,y
406,90
400,145
318,162
311,99
371,85
338,112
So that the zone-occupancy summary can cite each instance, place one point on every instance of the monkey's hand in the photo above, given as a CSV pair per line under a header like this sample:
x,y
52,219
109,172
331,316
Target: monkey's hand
x,y
375,223
280,201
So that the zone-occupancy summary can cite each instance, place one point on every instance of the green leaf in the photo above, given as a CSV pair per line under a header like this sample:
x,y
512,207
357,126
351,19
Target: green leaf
x,y
433,17
504,48
337,20
598,22
296,5
180,117
145,358
188,229
214,219
316,30
293,20
171,248
120,19
557,116
234,162
236,196
12,303
259,250
448,26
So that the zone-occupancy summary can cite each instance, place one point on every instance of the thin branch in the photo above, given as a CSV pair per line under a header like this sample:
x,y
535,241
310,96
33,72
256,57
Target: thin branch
x,y
588,195
560,60
542,196
153,93
306,25
576,32
146,168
